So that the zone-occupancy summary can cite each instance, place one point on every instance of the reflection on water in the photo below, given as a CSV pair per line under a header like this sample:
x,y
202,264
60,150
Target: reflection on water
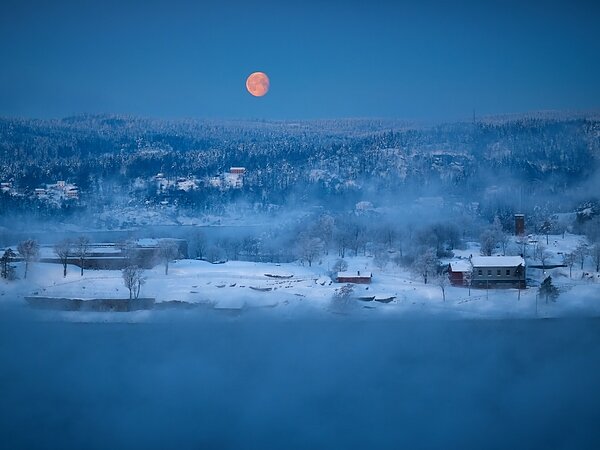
x,y
192,382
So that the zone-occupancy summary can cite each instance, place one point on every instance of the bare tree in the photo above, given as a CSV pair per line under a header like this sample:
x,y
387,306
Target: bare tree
x,y
340,266
569,260
309,248
199,245
545,228
167,252
82,250
29,251
387,235
324,230
232,247
543,254
64,250
382,257
503,239
501,236
488,242
595,252
358,238
468,278
342,240
442,282
133,279
426,264
581,251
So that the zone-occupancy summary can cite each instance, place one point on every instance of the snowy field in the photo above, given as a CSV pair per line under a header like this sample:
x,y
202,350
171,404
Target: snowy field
x,y
295,289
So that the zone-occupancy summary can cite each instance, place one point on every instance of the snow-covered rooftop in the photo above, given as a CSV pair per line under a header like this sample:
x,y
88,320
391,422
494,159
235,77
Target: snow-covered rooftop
x,y
497,261
353,274
460,266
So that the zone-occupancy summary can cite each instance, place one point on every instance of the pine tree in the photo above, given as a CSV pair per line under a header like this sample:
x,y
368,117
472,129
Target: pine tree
x,y
548,290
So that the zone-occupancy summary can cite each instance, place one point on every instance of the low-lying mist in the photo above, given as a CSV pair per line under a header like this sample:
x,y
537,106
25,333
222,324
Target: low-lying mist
x,y
251,382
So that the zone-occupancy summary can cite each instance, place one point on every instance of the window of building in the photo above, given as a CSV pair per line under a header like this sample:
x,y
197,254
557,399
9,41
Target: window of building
x,y
480,272
489,271
498,272
507,272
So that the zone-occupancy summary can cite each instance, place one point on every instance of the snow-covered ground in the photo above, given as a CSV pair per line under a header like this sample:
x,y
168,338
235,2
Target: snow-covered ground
x,y
292,288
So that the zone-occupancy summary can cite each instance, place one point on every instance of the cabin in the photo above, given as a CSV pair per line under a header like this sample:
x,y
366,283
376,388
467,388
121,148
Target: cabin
x,y
353,277
459,272
498,271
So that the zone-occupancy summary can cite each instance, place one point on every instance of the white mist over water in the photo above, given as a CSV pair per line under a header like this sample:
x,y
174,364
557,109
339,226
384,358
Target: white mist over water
x,y
193,381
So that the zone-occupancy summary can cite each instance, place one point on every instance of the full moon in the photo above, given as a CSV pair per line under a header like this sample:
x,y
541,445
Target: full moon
x,y
258,84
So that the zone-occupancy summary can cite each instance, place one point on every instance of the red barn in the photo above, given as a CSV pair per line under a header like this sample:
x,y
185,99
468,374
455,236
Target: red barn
x,y
457,271
353,277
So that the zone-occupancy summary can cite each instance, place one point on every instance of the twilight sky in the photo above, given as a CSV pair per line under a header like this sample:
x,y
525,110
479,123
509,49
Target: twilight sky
x,y
419,59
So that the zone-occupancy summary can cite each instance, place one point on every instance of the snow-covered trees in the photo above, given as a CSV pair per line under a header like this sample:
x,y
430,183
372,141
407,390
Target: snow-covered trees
x,y
342,297
7,271
340,265
381,257
198,245
548,290
64,250
29,251
81,250
308,248
133,278
426,264
543,254
581,251
487,241
595,253
569,260
167,251
442,281
324,230
491,237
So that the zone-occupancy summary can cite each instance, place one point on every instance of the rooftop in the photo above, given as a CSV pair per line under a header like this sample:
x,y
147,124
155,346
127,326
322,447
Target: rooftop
x,y
497,261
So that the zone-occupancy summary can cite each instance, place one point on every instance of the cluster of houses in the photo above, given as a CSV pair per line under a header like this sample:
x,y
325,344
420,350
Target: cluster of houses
x,y
179,183
487,272
54,192
233,179
58,191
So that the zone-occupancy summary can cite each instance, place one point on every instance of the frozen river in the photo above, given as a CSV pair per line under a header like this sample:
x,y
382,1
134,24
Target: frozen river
x,y
187,381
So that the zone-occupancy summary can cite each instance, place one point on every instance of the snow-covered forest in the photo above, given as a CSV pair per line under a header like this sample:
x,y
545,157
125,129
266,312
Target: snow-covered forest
x,y
531,163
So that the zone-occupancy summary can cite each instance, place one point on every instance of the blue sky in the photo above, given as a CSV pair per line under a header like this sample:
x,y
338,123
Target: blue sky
x,y
412,60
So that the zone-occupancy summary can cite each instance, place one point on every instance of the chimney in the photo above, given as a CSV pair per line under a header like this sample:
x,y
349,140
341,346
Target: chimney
x,y
519,224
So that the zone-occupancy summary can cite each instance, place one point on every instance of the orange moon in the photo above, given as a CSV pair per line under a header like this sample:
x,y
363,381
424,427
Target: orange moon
x,y
258,84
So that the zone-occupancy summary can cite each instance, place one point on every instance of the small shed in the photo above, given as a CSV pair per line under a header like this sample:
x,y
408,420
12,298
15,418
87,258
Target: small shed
x,y
353,277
